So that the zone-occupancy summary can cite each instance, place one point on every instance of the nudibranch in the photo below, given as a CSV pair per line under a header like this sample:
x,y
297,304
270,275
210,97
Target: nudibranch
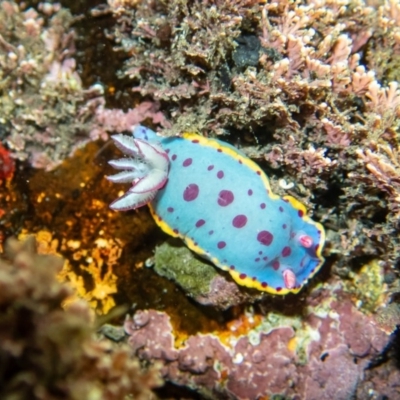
x,y
219,202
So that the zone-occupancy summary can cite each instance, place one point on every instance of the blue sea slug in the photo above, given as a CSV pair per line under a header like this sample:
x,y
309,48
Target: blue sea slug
x,y
219,202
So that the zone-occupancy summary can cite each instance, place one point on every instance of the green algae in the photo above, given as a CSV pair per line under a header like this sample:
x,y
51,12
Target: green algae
x,y
176,262
368,287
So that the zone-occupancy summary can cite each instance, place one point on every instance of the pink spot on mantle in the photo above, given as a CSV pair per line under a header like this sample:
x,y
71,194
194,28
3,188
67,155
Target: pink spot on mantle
x,y
225,197
187,162
239,221
275,265
221,244
191,192
220,174
265,238
200,223
286,251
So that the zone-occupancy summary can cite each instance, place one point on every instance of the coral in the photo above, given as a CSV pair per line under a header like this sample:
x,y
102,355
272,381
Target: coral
x,y
383,375
48,352
367,286
116,120
98,267
321,354
45,111
189,46
95,268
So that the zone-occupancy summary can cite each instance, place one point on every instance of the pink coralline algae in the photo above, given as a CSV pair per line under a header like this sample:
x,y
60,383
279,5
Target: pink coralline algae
x,y
45,108
323,355
117,120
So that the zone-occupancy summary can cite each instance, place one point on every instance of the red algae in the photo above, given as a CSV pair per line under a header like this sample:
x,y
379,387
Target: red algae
x,y
7,164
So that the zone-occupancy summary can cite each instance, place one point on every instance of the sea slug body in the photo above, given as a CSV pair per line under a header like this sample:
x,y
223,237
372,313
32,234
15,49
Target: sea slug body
x,y
219,202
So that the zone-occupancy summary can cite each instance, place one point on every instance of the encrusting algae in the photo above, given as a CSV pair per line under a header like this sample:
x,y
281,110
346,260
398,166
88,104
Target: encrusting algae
x,y
95,268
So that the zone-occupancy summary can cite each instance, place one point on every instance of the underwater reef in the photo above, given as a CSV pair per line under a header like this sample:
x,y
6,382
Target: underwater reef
x,y
306,89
